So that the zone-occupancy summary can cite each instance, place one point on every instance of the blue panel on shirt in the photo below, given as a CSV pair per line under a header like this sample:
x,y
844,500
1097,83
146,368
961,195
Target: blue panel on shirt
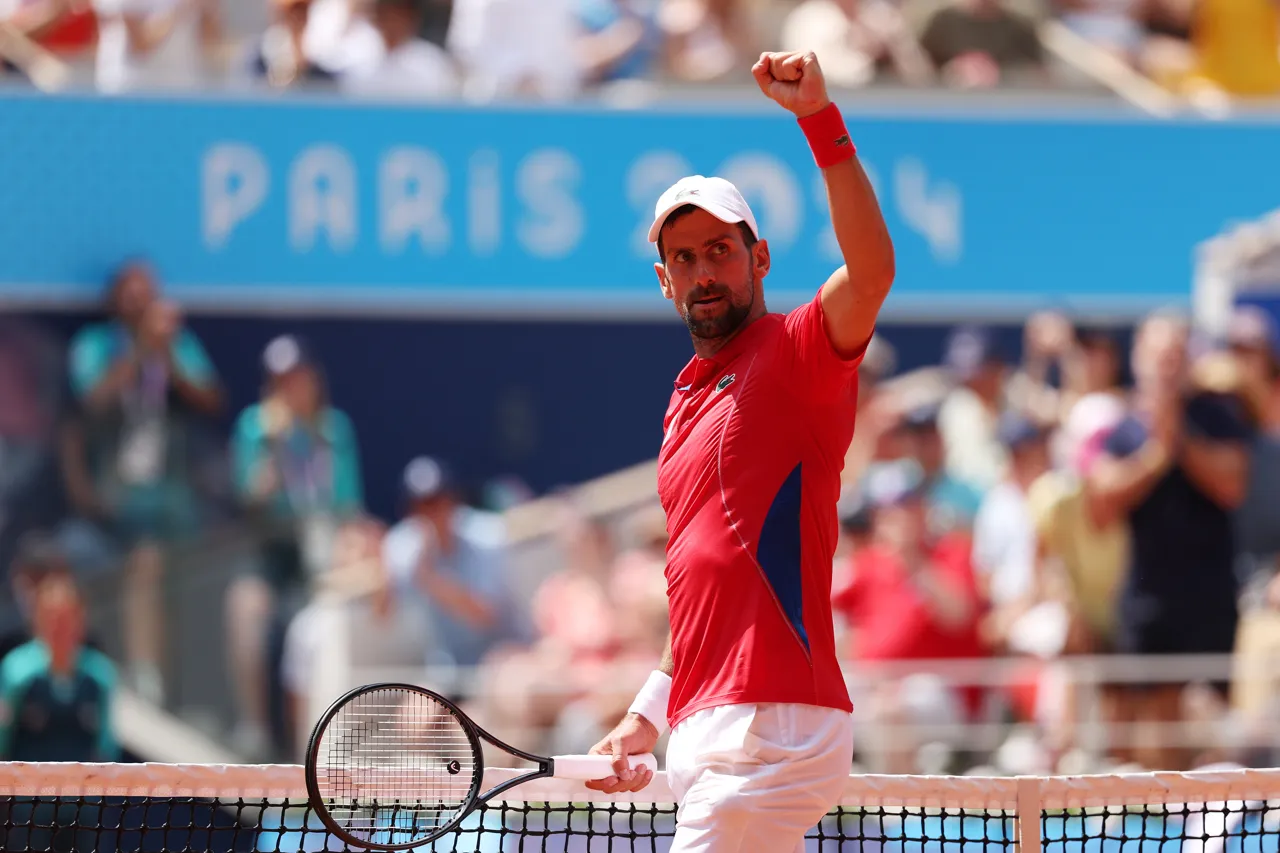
x,y
779,552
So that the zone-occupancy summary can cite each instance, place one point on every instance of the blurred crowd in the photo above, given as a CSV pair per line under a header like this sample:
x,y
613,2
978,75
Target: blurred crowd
x,y
1103,496
556,49
1085,501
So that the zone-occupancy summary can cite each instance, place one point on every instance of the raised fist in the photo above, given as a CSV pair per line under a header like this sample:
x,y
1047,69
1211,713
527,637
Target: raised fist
x,y
794,80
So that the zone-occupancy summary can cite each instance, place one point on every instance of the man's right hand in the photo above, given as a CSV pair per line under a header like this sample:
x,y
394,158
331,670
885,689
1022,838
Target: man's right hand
x,y
633,736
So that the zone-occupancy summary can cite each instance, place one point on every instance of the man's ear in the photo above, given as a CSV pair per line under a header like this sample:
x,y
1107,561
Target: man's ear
x,y
663,283
760,260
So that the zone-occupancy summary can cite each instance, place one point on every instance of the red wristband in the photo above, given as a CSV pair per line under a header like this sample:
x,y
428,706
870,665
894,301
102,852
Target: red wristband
x,y
828,138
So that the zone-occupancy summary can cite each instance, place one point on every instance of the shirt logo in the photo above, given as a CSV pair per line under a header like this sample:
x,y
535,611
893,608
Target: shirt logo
x,y
726,382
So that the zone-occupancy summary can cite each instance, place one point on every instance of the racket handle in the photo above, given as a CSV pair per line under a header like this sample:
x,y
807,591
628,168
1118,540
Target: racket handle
x,y
584,768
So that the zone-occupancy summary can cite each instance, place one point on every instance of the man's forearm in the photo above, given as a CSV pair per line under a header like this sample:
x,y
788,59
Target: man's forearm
x,y
667,665
1121,484
852,297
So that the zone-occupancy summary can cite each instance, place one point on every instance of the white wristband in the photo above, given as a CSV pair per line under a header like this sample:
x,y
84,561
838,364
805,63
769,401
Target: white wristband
x,y
651,701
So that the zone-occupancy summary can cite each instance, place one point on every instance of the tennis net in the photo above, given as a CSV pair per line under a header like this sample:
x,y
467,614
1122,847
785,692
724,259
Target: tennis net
x,y
156,807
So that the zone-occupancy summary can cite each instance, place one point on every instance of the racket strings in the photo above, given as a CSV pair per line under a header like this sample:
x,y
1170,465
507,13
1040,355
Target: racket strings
x,y
393,766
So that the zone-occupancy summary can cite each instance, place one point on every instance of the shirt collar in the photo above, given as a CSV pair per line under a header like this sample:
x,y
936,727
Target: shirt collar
x,y
699,371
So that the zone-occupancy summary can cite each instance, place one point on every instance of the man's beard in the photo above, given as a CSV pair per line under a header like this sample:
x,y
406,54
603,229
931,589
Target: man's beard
x,y
723,325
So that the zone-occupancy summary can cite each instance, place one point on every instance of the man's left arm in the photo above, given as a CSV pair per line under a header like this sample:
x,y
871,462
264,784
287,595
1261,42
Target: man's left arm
x,y
852,296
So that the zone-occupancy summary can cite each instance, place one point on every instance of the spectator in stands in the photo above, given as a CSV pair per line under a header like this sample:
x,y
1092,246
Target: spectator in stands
x,y
704,39
55,705
451,558
143,383
56,694
621,39
1048,343
857,40
1083,558
909,596
409,67
978,44
1237,47
1086,555
66,28
297,471
1005,556
156,43
279,56
1112,25
1176,467
1254,343
971,410
952,503
516,48
340,35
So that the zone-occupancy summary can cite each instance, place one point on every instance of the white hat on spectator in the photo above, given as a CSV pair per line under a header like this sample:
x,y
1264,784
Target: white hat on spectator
x,y
714,195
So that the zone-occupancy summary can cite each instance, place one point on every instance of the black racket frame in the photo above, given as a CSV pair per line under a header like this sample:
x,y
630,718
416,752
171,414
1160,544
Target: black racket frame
x,y
545,766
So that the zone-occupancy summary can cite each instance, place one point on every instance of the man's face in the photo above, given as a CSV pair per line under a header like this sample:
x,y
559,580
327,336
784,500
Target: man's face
x,y
710,274
135,291
300,390
902,526
59,618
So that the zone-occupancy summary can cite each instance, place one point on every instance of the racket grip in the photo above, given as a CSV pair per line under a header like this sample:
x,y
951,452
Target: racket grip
x,y
584,768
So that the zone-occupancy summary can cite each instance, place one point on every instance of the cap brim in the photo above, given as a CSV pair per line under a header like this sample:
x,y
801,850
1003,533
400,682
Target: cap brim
x,y
714,209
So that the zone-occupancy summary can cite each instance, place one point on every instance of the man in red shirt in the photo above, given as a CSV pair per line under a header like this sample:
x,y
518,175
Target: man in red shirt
x,y
749,475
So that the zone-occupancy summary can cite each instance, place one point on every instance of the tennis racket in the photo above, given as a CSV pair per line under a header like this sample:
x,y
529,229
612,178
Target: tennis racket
x,y
394,766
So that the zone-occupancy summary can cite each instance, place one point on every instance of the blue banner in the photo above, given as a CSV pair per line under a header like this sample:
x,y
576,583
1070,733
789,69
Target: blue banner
x,y
313,205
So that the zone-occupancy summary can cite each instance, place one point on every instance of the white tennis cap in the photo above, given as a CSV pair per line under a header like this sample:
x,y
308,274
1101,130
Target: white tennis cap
x,y
714,195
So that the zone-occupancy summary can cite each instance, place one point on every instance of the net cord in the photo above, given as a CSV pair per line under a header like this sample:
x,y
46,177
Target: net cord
x,y
1015,795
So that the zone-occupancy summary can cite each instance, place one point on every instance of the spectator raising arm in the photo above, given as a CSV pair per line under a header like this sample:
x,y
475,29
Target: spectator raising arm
x,y
852,297
457,598
1122,479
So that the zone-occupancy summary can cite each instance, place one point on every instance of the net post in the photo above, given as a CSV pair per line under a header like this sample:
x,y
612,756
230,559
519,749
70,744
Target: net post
x,y
1028,809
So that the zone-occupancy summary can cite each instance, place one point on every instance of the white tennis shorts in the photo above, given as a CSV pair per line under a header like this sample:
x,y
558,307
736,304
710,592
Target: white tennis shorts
x,y
756,778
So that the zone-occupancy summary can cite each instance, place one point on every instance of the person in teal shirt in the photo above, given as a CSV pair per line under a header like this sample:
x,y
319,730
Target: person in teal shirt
x,y
55,705
952,503
296,468
55,693
142,384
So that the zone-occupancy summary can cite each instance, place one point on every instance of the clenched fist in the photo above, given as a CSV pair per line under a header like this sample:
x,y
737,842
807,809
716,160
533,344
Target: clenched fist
x,y
794,80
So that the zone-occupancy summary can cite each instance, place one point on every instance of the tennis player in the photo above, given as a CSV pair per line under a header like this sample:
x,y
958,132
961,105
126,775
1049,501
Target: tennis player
x,y
749,475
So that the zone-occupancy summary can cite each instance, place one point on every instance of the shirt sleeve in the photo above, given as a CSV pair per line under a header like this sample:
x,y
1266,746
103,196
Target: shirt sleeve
x,y
818,370
101,670
348,490
191,359
88,362
247,451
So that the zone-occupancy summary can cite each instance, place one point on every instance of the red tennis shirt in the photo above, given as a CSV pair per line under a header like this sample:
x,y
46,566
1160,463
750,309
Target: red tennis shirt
x,y
749,475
